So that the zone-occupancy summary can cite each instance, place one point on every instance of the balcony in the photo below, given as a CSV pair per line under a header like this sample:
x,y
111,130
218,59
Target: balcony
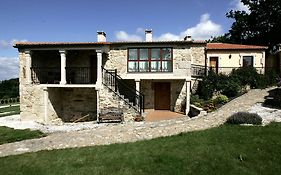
x,y
74,75
198,70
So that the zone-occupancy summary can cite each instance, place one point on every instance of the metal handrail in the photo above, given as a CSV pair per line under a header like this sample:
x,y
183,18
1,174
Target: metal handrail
x,y
201,70
117,85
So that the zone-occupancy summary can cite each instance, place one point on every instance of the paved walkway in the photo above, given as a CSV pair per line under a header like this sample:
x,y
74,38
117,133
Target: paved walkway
x,y
158,115
130,132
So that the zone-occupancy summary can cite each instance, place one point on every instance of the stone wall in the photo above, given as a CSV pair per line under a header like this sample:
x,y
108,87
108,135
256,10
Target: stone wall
x,y
198,55
77,103
183,56
32,103
178,94
117,59
108,99
146,88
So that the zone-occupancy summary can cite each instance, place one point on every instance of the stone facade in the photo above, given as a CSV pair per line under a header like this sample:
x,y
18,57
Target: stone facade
x,y
66,102
108,99
117,59
183,56
178,94
198,55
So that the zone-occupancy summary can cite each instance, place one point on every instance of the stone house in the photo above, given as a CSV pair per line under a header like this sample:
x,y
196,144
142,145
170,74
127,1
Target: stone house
x,y
65,81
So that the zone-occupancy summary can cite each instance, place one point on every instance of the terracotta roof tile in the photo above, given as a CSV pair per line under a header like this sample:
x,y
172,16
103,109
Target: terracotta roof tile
x,y
54,44
226,46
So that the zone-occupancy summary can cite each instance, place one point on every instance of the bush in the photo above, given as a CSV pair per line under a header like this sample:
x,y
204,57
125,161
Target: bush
x,y
231,88
244,118
208,85
221,99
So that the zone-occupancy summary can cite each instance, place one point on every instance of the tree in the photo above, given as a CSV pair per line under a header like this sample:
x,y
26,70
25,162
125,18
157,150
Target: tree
x,y
9,88
260,26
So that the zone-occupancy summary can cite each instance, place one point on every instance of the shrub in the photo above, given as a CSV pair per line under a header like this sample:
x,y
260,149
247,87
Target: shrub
x,y
208,85
244,118
195,99
246,76
221,99
231,88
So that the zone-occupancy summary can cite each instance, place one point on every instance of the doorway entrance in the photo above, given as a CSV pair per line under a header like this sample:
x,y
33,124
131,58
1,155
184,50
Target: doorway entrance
x,y
214,64
162,95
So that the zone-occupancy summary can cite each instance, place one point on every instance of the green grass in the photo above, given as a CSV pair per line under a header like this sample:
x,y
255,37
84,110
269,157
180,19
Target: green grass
x,y
11,109
8,135
224,150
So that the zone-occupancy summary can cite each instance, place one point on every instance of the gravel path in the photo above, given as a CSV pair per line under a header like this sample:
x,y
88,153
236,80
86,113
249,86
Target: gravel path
x,y
103,134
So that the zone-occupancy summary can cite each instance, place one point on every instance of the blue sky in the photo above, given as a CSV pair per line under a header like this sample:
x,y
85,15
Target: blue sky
x,y
73,20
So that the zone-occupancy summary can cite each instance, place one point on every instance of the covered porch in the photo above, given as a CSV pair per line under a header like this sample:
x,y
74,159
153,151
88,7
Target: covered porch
x,y
64,66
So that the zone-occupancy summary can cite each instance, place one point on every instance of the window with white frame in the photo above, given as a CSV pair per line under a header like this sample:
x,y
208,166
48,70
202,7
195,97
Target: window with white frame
x,y
150,60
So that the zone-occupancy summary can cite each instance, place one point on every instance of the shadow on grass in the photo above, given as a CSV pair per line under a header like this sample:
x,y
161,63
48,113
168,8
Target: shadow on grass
x,y
273,100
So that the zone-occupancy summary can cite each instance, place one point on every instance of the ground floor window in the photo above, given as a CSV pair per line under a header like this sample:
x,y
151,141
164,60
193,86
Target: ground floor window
x,y
248,61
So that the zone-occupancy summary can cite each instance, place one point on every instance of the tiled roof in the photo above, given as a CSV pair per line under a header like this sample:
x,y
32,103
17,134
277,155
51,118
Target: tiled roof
x,y
22,44
54,44
226,46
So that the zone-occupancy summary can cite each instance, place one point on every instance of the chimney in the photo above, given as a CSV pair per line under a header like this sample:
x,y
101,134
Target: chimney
x,y
148,35
188,38
101,36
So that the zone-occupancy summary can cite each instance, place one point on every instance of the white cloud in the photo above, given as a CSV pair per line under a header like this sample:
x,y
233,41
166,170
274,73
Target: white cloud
x,y
238,5
9,68
124,36
204,30
9,44
168,37
201,31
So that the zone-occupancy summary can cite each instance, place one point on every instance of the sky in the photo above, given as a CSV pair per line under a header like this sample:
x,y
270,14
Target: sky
x,y
121,20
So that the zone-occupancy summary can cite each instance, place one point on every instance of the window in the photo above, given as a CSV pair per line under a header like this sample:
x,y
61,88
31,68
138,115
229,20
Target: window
x,y
150,60
248,61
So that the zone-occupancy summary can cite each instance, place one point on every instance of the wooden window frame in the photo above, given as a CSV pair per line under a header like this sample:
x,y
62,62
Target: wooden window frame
x,y
149,60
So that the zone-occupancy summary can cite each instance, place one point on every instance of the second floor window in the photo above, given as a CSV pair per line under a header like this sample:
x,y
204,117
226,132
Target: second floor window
x,y
150,60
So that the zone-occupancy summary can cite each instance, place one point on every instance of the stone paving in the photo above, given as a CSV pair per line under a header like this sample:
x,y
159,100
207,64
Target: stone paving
x,y
130,132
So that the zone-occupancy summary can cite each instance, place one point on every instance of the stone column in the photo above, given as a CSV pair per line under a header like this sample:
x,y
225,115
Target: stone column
x,y
187,83
98,105
46,97
28,66
99,65
63,66
137,88
137,84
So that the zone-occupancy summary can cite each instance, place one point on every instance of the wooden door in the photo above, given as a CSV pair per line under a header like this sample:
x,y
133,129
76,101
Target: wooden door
x,y
162,95
214,64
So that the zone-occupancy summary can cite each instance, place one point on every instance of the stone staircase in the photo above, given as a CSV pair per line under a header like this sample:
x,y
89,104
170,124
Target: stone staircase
x,y
116,94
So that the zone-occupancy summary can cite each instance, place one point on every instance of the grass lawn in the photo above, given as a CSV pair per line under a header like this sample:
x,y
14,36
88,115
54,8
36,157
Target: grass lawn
x,y
8,135
11,109
223,150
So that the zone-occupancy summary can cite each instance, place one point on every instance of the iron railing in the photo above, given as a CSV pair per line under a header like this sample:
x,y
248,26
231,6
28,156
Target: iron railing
x,y
200,70
115,83
52,75
45,75
79,75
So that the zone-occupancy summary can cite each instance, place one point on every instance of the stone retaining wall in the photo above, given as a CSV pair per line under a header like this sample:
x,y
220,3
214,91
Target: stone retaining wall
x,y
108,99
